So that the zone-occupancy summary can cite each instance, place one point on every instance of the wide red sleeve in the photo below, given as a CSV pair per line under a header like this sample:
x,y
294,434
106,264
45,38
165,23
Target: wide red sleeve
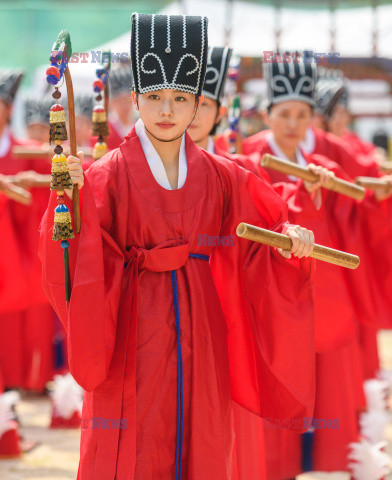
x,y
96,264
334,316
268,304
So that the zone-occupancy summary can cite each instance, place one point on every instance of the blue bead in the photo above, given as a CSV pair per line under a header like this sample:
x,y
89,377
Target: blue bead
x,y
64,244
61,209
52,80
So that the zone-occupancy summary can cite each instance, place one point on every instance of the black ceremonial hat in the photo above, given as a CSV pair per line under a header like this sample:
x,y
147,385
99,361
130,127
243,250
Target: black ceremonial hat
x,y
9,83
331,90
120,80
84,105
37,110
290,81
217,66
168,52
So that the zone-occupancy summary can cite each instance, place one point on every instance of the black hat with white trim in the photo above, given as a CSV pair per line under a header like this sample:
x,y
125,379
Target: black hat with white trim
x,y
168,52
216,73
120,80
331,90
290,81
84,105
10,80
37,110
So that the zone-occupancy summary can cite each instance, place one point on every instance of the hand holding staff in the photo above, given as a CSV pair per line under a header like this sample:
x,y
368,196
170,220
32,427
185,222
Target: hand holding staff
x,y
277,240
290,168
18,194
381,186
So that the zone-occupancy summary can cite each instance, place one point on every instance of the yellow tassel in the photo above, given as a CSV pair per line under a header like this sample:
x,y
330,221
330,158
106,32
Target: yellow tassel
x,y
62,229
100,148
60,173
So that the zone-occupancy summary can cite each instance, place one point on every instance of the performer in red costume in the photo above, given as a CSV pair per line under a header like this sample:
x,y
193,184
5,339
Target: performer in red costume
x,y
169,333
338,396
27,327
331,108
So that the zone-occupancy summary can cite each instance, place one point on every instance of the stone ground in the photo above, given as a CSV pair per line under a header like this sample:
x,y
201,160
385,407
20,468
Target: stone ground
x,y
56,455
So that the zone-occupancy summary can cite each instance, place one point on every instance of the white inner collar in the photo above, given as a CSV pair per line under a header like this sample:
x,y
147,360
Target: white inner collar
x,y
276,150
309,143
210,145
5,142
155,162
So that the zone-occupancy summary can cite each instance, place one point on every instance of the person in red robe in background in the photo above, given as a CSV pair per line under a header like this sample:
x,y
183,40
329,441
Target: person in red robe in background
x,y
37,119
338,396
45,335
318,141
331,102
248,427
26,327
167,334
11,319
13,285
121,111
84,105
331,110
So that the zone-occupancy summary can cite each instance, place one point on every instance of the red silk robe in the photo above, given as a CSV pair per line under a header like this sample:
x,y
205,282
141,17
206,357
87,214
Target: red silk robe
x,y
365,153
237,326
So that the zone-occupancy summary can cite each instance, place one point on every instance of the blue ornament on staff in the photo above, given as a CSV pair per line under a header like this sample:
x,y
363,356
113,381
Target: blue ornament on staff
x,y
100,112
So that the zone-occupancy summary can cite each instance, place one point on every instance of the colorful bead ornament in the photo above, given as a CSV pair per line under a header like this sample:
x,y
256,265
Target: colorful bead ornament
x,y
99,118
61,179
58,127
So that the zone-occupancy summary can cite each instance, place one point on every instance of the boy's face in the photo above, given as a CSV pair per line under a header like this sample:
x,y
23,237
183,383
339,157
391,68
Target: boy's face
x,y
122,105
166,113
206,117
83,130
38,131
289,122
339,120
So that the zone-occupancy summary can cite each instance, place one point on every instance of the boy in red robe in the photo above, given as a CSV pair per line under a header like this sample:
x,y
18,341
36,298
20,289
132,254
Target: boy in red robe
x,y
26,327
331,110
161,338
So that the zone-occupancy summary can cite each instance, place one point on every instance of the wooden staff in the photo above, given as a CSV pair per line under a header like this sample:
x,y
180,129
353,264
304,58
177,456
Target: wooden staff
x,y
72,144
38,182
266,237
21,152
386,166
375,184
290,168
13,192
